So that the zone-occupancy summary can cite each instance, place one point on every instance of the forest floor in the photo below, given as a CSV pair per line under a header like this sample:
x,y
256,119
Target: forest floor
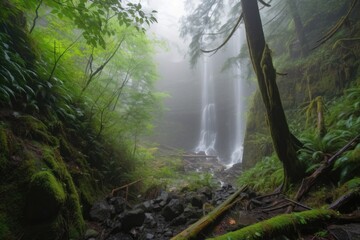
x,y
166,214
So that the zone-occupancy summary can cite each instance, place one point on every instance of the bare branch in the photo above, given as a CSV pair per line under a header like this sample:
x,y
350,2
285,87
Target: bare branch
x,y
227,39
36,16
264,3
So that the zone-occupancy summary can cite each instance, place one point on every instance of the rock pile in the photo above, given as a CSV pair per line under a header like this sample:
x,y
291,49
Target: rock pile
x,y
159,218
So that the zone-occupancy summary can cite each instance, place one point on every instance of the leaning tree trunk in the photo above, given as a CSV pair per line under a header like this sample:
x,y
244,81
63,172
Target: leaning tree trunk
x,y
266,75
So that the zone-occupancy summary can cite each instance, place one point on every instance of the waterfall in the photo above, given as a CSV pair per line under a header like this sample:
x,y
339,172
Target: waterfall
x,y
237,153
208,116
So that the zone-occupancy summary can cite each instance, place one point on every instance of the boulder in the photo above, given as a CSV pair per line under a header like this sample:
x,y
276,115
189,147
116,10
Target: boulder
x,y
101,211
131,219
173,209
119,204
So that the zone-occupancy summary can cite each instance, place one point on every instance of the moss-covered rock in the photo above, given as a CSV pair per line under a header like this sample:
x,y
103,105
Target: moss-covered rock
x,y
46,197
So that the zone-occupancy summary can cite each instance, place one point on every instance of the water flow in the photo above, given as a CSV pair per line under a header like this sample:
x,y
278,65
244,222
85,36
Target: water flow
x,y
237,153
208,117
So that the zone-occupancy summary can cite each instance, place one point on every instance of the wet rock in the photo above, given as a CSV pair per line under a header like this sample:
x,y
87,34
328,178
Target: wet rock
x,y
119,204
101,211
207,192
198,200
180,220
149,236
149,221
120,236
91,233
131,219
173,209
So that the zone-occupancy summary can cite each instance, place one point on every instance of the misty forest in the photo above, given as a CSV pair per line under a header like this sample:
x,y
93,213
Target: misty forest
x,y
183,119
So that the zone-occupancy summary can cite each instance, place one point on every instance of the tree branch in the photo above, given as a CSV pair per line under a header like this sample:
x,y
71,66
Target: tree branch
x,y
227,39
36,16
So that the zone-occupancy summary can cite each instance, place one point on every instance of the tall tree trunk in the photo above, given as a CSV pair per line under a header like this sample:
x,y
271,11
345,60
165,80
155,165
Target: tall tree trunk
x,y
266,75
298,27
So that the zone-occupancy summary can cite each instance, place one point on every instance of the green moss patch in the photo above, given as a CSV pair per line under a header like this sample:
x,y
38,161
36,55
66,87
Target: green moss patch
x,y
286,224
46,197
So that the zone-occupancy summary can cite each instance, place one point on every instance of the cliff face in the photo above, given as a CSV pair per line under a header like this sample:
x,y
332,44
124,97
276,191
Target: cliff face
x,y
327,71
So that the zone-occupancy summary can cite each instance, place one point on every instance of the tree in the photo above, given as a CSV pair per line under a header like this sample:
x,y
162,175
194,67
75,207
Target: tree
x,y
285,144
300,33
260,54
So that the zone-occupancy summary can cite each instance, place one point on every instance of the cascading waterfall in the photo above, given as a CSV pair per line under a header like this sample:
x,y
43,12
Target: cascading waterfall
x,y
208,116
237,153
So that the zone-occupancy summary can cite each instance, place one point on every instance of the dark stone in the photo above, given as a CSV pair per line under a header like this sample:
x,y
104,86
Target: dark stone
x,y
149,221
180,220
146,206
130,219
101,211
168,233
120,236
156,207
149,236
173,209
198,200
207,192
119,204
191,212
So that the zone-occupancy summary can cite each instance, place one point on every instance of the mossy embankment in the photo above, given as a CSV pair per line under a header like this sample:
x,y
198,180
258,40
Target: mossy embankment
x,y
52,160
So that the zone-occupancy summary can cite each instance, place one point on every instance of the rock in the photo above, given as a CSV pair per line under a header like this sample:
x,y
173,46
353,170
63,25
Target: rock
x,y
146,206
206,191
120,236
168,233
149,236
101,211
198,200
119,204
173,209
91,233
149,221
131,219
180,220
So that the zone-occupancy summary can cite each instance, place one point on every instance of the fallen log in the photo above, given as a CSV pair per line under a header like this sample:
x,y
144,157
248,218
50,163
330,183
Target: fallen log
x,y
193,231
283,225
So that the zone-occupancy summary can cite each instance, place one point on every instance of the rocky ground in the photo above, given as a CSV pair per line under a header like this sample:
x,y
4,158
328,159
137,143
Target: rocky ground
x,y
159,218
167,214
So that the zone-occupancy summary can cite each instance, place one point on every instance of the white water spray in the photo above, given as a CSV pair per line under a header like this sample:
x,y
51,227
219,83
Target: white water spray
x,y
237,153
208,117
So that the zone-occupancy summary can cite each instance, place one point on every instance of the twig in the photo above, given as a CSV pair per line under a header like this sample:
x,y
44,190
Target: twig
x,y
36,16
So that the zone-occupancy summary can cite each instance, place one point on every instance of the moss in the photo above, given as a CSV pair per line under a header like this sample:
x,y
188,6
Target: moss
x,y
280,225
53,160
46,197
32,128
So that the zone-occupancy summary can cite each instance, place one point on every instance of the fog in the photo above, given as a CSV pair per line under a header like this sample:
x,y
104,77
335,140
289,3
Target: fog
x,y
180,126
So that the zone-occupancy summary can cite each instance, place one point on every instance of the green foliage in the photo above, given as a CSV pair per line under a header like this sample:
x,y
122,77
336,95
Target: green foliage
x,y
265,176
343,121
95,19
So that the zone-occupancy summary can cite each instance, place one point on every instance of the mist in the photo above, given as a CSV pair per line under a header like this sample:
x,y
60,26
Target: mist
x,y
182,123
